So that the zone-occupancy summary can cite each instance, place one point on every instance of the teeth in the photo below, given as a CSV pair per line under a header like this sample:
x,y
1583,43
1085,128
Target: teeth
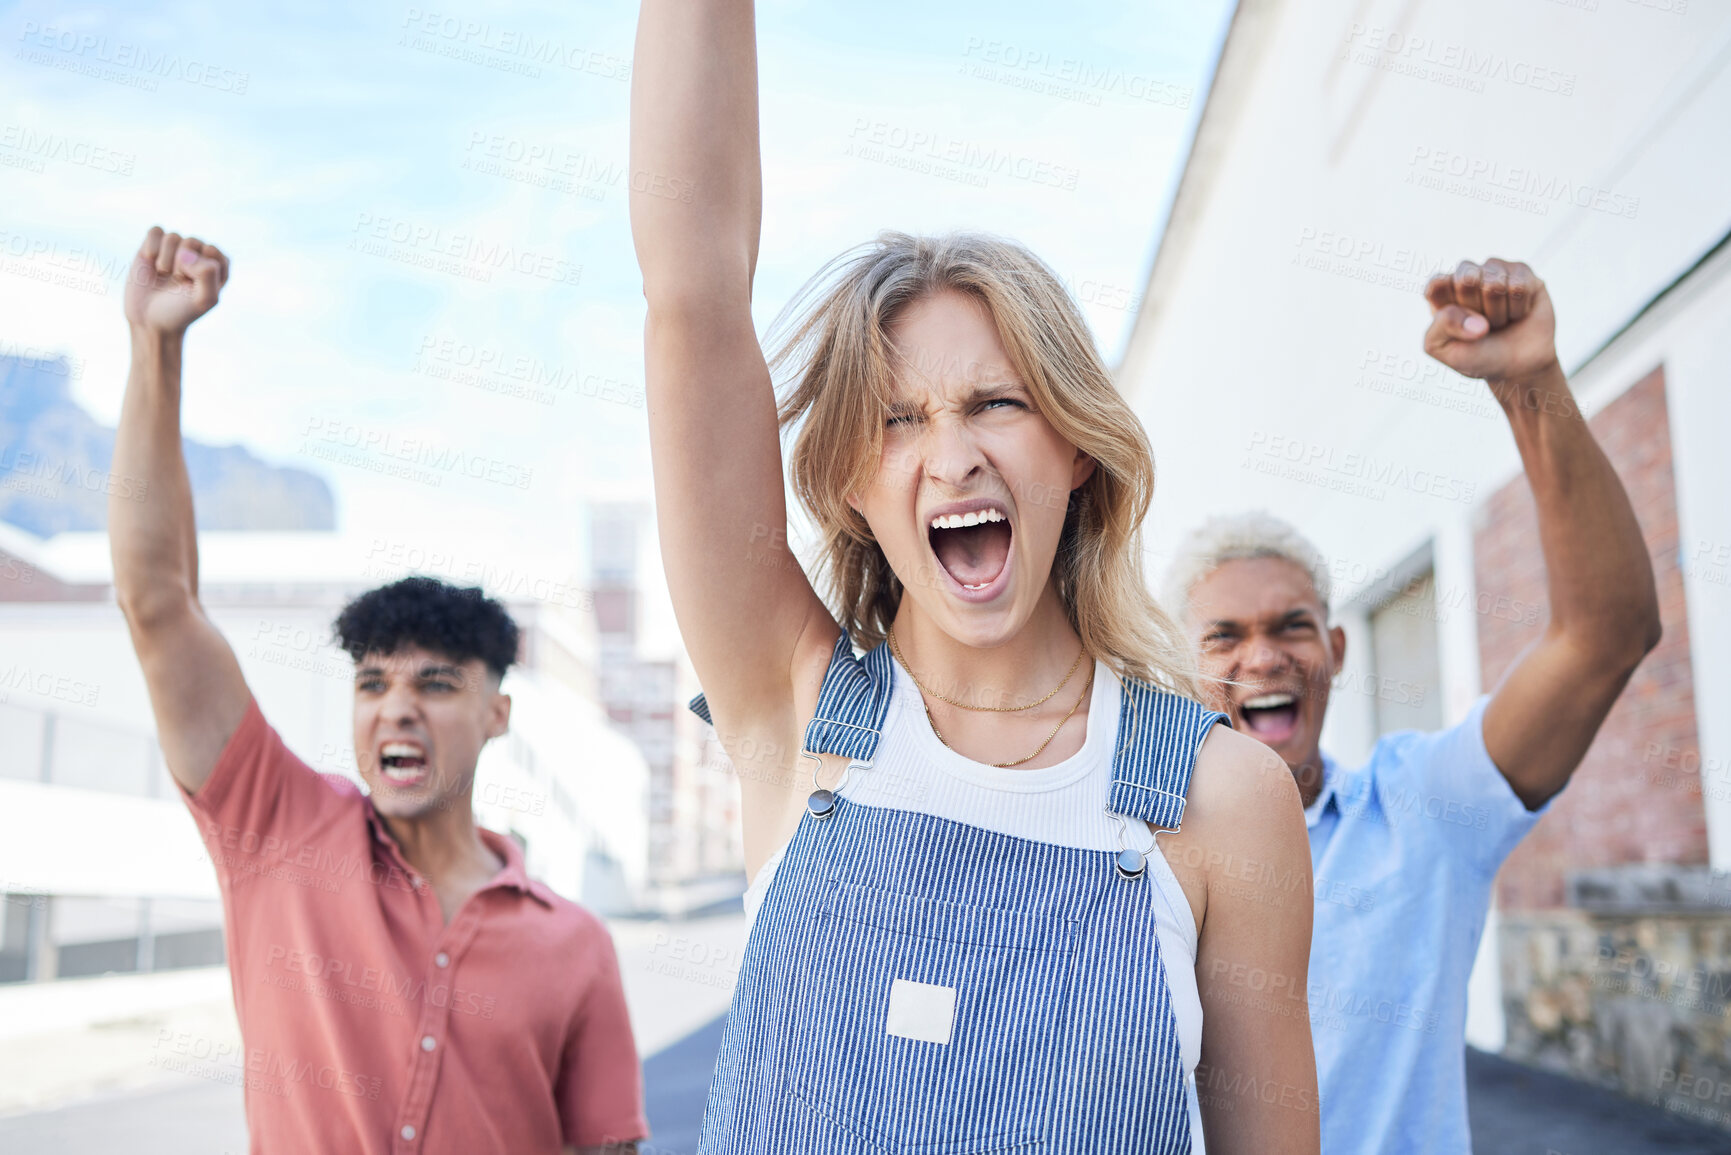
x,y
963,520
401,750
1268,702
981,586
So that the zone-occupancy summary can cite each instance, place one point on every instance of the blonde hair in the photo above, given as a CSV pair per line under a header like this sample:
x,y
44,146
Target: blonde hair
x,y
838,367
1232,537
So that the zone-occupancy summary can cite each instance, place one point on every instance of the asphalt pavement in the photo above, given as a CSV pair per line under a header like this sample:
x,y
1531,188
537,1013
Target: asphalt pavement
x,y
1516,1110
675,1086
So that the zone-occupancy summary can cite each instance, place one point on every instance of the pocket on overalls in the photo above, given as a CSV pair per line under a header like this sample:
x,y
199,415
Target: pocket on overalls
x,y
930,1027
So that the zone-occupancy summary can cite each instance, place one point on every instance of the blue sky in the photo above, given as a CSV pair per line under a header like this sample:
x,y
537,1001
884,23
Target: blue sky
x,y
434,302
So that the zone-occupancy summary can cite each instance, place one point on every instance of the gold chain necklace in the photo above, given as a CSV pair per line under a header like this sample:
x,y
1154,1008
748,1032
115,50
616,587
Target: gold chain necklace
x,y
897,651
1006,765
933,722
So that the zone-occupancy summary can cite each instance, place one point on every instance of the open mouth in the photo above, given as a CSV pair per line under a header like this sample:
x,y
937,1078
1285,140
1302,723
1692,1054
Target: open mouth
x,y
1271,718
403,763
973,547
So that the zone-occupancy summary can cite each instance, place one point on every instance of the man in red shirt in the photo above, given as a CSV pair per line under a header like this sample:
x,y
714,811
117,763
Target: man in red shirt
x,y
402,985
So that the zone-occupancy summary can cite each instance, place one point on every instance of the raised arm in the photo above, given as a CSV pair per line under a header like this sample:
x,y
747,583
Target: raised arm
x,y
1494,321
196,687
747,612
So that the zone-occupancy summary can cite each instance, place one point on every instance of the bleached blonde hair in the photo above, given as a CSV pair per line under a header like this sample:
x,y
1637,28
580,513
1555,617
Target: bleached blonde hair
x,y
1234,536
837,372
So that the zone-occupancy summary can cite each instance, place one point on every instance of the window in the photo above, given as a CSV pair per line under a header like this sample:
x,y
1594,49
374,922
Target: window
x,y
1405,681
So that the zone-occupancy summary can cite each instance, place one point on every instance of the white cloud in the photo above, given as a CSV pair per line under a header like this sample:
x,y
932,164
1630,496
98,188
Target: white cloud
x,y
345,122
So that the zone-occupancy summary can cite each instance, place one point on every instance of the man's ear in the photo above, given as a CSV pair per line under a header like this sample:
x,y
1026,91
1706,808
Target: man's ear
x,y
499,719
1337,646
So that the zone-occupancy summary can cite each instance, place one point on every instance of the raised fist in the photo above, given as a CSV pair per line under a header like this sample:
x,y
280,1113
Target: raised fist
x,y
173,281
1492,321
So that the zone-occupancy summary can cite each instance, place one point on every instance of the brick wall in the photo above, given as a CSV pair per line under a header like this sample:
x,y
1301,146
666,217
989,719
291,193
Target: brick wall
x,y
1637,796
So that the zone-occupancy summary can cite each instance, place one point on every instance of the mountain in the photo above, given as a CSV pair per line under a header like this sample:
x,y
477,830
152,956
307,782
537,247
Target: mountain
x,y
55,458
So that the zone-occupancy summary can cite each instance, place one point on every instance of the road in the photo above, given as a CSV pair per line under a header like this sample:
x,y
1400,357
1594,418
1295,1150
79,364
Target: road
x,y
1519,1111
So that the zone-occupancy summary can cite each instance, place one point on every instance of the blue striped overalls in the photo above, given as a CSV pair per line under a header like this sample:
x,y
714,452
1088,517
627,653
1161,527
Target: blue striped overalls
x,y
917,985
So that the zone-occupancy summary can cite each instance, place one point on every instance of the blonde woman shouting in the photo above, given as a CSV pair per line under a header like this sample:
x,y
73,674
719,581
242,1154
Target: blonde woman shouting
x,y
965,937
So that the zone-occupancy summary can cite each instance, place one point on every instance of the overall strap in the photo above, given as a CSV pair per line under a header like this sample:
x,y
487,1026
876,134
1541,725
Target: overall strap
x,y
851,704
1158,736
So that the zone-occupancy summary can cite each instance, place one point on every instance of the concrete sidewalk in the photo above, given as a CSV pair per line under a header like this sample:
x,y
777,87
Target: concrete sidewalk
x,y
197,1118
83,1070
192,1118
79,1039
76,1040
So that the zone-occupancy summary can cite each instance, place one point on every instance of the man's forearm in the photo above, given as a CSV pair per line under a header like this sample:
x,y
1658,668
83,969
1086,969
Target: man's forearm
x,y
196,687
1598,573
152,533
1495,321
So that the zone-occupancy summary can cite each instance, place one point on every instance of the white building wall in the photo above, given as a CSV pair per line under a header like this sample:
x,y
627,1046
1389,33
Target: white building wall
x,y
586,789
1316,165
62,840
1291,284
1698,368
1277,360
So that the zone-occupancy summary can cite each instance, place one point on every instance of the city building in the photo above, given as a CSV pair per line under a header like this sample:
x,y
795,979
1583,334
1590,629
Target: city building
x,y
696,855
1344,155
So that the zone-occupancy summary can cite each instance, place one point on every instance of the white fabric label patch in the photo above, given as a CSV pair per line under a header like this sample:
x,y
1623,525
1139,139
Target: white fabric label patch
x,y
921,1011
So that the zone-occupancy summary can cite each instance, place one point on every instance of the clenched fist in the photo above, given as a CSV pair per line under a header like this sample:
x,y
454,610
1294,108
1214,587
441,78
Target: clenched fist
x,y
173,281
1493,321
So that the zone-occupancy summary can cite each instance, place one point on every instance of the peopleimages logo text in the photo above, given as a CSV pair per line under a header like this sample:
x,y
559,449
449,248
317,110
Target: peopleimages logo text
x,y
165,65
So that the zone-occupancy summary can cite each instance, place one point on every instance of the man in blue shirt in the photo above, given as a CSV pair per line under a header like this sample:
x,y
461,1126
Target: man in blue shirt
x,y
1405,847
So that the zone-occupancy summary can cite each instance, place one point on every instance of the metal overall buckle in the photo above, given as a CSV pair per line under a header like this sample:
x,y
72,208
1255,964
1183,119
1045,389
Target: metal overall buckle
x,y
1130,863
821,803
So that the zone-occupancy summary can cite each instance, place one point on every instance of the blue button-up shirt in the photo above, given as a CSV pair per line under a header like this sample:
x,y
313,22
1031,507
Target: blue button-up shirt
x,y
1403,850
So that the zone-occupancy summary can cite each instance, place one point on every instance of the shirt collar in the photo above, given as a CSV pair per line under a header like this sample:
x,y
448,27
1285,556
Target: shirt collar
x,y
1314,812
513,875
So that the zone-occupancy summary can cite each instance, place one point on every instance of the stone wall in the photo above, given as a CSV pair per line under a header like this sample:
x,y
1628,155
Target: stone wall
x,y
1629,988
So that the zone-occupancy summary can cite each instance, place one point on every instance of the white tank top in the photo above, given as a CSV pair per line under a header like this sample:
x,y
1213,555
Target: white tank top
x,y
1063,804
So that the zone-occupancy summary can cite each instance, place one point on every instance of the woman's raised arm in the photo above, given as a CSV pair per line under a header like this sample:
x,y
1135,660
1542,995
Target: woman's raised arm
x,y
746,610
696,179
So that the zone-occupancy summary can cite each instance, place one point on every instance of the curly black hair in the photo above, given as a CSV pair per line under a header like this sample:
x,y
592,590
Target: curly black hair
x,y
459,622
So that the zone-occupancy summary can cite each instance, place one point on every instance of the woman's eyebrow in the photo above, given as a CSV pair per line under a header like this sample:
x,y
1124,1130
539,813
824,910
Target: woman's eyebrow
x,y
990,390
976,393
